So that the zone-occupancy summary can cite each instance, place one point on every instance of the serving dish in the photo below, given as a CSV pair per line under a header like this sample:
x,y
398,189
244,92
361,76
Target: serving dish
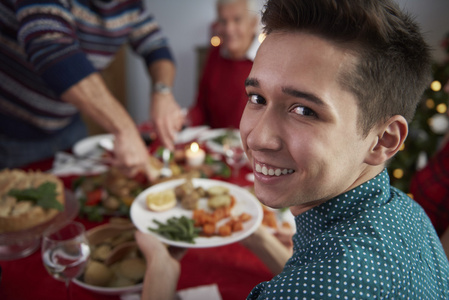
x,y
19,244
109,232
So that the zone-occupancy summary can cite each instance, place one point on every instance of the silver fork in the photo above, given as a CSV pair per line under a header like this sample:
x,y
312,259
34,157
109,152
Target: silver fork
x,y
166,171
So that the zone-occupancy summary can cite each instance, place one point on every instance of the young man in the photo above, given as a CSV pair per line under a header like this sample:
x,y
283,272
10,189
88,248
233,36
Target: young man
x,y
329,96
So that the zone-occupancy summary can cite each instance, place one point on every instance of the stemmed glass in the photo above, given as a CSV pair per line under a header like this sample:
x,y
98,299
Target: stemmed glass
x,y
65,252
233,151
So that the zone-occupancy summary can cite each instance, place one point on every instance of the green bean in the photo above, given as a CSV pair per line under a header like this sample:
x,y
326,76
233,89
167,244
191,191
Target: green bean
x,y
177,229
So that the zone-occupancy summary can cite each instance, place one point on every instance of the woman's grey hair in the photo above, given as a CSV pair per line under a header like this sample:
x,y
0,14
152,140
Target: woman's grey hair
x,y
253,5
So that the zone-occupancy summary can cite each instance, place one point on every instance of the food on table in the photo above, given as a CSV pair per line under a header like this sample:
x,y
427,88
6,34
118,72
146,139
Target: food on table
x,y
218,201
191,200
132,269
110,193
97,273
161,201
184,189
269,217
272,220
188,195
115,259
217,190
211,224
215,219
28,199
177,229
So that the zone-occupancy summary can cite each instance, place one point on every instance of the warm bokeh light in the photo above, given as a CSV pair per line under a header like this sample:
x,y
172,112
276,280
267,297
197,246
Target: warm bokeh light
x,y
402,147
430,103
215,41
261,37
435,86
194,147
398,173
442,108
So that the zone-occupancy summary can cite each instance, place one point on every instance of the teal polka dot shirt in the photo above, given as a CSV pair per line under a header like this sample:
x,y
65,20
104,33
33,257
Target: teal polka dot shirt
x,y
372,242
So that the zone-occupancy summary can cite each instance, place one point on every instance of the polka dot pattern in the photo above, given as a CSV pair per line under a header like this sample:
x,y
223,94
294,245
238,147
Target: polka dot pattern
x,y
372,242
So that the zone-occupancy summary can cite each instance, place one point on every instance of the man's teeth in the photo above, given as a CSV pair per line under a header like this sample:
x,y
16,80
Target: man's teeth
x,y
272,172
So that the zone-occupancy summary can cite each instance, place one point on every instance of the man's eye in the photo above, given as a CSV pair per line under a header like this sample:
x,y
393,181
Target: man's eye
x,y
256,99
305,111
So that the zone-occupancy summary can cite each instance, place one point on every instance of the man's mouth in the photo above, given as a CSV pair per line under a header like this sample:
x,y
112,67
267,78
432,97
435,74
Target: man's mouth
x,y
271,171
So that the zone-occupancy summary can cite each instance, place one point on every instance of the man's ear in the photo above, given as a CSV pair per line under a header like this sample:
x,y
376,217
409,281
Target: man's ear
x,y
390,137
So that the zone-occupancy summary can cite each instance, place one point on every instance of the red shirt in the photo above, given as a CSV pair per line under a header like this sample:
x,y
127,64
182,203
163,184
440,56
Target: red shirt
x,y
221,94
430,188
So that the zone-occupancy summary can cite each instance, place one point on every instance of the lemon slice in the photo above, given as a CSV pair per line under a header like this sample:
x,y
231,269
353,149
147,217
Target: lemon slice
x,y
161,201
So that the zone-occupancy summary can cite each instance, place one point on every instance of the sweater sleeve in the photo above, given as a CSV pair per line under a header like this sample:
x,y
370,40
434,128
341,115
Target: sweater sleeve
x,y
148,40
47,34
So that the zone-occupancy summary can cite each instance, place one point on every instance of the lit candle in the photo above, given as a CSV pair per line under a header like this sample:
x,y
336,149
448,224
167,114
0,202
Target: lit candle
x,y
195,155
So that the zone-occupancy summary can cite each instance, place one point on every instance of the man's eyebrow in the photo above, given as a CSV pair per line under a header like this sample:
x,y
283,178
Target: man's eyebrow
x,y
303,95
252,82
289,91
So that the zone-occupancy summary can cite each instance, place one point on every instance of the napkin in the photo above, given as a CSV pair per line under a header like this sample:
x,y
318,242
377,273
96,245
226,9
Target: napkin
x,y
68,164
190,133
203,292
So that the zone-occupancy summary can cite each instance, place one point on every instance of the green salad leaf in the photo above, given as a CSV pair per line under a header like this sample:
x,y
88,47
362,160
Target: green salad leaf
x,y
43,195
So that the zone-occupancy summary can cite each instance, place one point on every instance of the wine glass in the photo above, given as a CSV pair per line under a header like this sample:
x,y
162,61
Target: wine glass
x,y
65,252
233,151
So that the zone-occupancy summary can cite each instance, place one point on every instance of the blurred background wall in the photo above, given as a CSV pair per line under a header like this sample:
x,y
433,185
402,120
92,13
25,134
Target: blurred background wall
x,y
187,24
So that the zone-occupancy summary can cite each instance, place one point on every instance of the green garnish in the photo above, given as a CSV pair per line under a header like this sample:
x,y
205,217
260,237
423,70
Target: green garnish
x,y
43,195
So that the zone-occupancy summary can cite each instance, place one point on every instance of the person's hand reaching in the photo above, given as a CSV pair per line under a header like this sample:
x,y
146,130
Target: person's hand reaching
x,y
131,155
168,118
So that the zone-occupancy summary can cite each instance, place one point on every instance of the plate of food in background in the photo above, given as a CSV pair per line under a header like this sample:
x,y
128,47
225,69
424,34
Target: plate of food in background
x,y
214,139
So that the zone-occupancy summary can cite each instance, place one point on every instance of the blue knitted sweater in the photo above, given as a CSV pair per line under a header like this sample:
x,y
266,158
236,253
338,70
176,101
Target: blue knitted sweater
x,y
48,46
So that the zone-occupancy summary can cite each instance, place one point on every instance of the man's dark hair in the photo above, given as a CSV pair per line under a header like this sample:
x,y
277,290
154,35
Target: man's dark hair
x,y
393,60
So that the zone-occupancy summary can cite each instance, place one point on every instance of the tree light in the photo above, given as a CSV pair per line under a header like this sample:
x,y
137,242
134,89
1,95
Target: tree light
x,y
435,86
442,108
430,103
398,173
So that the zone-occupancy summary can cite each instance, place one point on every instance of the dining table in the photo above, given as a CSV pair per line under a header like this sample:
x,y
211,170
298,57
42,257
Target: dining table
x,y
232,268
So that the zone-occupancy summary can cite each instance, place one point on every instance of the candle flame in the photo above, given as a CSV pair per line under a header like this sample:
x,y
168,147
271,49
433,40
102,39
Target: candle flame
x,y
194,147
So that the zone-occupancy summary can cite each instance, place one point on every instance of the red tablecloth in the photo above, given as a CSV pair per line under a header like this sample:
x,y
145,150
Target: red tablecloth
x,y
232,267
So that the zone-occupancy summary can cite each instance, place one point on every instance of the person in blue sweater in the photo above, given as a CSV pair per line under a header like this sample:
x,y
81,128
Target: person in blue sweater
x,y
51,53
330,94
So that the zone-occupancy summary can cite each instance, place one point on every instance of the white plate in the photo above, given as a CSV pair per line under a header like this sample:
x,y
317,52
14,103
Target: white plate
x,y
90,146
190,133
109,290
208,137
246,202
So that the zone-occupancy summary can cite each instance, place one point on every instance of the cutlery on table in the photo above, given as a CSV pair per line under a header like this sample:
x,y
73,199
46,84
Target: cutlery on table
x,y
166,171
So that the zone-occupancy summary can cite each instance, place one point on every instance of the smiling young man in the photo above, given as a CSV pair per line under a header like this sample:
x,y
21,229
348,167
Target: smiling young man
x,y
331,91
330,94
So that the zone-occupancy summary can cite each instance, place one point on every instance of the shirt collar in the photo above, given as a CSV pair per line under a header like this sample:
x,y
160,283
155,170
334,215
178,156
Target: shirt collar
x,y
250,53
373,193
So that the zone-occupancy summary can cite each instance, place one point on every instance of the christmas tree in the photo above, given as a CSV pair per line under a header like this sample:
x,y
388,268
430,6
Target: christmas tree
x,y
427,128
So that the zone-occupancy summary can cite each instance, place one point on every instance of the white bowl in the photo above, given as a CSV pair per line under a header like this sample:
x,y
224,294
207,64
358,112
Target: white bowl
x,y
108,290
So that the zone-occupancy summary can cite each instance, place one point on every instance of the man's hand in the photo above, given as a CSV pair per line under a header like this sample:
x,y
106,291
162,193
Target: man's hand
x,y
167,117
131,155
